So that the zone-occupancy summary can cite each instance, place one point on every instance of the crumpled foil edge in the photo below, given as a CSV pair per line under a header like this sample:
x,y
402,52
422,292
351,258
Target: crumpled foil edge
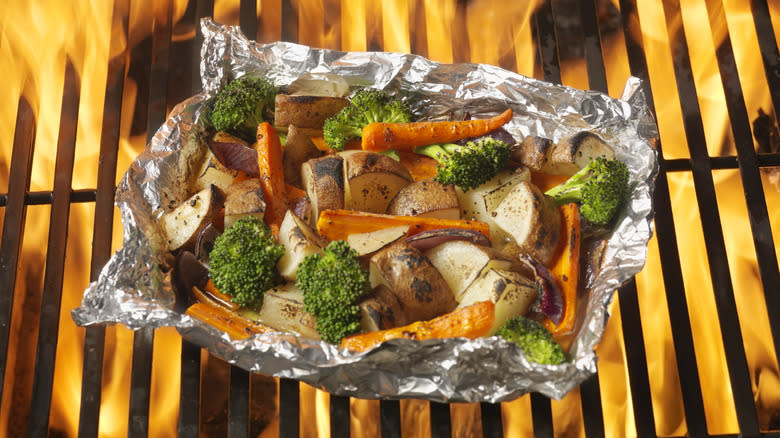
x,y
135,288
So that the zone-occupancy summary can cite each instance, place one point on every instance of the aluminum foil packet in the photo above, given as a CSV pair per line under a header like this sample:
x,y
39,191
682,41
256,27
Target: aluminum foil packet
x,y
135,286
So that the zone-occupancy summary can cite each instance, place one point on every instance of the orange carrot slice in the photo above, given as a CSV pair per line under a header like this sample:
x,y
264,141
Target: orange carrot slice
x,y
269,162
471,322
566,268
237,327
380,137
339,224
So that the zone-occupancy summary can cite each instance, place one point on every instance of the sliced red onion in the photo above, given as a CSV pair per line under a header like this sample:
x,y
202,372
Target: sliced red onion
x,y
428,239
549,301
236,156
205,243
188,272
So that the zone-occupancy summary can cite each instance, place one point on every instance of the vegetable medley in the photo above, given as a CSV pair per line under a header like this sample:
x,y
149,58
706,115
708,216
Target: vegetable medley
x,y
341,217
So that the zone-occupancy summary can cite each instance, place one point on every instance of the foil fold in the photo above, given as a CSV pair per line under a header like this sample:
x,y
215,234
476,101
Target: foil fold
x,y
135,287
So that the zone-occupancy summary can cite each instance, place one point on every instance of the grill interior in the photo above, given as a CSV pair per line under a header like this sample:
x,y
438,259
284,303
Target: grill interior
x,y
642,389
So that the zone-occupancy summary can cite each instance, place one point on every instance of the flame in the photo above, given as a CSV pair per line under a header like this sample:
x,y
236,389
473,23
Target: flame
x,y
38,38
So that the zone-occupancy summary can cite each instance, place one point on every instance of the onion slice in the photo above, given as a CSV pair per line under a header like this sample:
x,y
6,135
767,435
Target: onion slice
x,y
549,301
425,240
236,156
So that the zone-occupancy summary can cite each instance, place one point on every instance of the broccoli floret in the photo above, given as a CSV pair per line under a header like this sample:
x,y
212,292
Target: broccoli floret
x,y
365,106
599,188
535,340
467,166
332,283
242,263
242,105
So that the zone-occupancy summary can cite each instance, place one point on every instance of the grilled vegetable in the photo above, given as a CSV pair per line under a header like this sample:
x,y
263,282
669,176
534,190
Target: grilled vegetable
x,y
471,322
379,137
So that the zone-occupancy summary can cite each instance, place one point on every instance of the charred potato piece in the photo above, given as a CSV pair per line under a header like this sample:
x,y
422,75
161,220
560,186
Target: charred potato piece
x,y
480,203
368,244
510,291
427,198
299,241
298,149
460,262
244,198
212,174
381,310
283,310
182,225
574,152
532,220
420,288
308,112
533,152
323,180
372,180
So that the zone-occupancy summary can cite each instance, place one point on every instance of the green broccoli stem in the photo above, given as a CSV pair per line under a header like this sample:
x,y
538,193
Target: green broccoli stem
x,y
452,148
571,189
565,195
392,153
435,151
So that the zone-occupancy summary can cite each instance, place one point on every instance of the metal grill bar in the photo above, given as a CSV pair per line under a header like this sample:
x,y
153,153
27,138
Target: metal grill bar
x,y
636,360
189,400
13,225
140,381
769,52
92,371
390,418
289,407
44,198
339,416
238,414
441,421
491,420
542,416
547,43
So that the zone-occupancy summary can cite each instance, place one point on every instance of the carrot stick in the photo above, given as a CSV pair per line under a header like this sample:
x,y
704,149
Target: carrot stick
x,y
210,295
339,224
216,293
471,322
380,137
566,268
269,162
237,327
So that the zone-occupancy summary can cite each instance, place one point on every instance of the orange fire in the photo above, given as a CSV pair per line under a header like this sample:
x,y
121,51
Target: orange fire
x,y
38,38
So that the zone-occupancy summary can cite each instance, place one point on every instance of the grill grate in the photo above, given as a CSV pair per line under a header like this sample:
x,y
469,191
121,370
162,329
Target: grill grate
x,y
167,71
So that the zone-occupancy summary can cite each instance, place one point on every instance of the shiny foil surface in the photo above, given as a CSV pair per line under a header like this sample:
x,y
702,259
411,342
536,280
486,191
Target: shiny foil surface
x,y
135,288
